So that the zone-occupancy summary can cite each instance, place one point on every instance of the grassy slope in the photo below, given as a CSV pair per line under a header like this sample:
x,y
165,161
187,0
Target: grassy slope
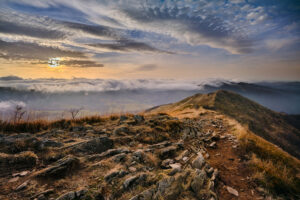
x,y
266,123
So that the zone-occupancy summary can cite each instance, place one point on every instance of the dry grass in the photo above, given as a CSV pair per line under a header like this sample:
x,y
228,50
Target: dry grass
x,y
22,160
152,159
273,168
40,125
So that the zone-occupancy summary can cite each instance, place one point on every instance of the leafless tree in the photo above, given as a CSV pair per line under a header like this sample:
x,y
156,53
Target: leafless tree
x,y
74,112
18,113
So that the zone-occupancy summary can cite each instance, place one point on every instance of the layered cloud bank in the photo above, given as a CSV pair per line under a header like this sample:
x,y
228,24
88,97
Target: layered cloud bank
x,y
103,85
110,96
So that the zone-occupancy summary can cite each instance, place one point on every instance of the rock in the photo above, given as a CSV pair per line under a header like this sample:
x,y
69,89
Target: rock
x,y
108,153
129,181
182,155
185,159
209,171
189,133
169,188
167,152
175,168
132,169
138,118
22,186
43,194
213,145
138,156
60,168
145,195
67,196
49,143
165,164
123,118
81,193
160,145
198,181
134,180
198,162
23,160
13,179
41,197
122,130
114,174
21,174
215,174
119,157
232,191
97,145
78,195
222,136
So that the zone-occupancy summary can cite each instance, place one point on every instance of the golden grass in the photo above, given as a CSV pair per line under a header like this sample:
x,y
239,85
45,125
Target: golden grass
x,y
21,160
273,168
151,159
40,125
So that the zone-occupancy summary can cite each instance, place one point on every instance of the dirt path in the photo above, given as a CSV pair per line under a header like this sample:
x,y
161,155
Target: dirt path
x,y
232,172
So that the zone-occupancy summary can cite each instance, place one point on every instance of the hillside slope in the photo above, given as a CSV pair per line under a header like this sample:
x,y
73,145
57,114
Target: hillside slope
x,y
272,126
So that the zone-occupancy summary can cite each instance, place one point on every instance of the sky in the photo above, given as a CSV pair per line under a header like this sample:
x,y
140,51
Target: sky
x,y
133,39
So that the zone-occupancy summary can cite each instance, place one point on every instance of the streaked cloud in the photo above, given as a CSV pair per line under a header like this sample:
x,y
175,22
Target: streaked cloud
x,y
24,50
147,67
81,63
130,33
128,46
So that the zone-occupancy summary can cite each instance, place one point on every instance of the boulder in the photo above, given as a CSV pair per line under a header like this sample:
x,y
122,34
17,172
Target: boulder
x,y
115,174
49,143
138,118
175,168
78,195
138,156
121,130
165,164
145,195
169,188
134,180
60,168
119,157
167,152
198,162
96,145
24,160
198,180
22,186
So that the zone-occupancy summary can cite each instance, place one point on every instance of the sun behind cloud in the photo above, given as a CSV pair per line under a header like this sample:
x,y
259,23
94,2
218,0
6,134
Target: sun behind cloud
x,y
54,62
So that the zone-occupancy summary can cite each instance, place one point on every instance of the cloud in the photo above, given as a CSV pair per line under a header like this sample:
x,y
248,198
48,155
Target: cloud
x,y
99,85
10,78
277,44
128,46
96,30
81,63
10,105
194,28
27,30
147,67
15,23
24,50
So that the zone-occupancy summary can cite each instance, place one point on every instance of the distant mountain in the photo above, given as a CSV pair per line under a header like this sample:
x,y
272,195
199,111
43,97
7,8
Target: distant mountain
x,y
278,128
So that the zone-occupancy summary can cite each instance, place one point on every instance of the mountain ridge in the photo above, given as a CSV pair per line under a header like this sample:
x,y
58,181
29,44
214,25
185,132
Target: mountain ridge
x,y
270,125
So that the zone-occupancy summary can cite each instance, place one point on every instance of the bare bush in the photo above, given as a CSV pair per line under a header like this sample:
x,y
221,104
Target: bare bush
x,y
18,113
74,112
